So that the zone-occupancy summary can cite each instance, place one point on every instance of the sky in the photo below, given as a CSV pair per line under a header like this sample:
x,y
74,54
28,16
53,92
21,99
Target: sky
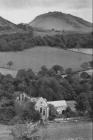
x,y
24,11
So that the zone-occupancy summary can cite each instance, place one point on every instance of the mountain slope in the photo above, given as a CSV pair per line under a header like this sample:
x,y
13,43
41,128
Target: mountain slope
x,y
61,21
7,27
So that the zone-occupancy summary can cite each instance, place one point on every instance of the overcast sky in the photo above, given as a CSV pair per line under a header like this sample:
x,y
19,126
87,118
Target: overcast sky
x,y
26,10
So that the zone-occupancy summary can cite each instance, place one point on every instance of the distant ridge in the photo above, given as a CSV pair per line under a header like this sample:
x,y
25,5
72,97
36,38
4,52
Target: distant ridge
x,y
61,21
5,24
7,27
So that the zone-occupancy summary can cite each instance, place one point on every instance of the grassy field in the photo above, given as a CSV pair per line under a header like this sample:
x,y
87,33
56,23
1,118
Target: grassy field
x,y
4,133
8,71
68,131
82,50
36,57
62,131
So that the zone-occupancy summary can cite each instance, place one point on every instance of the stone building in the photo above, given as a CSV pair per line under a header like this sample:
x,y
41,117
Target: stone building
x,y
40,104
59,105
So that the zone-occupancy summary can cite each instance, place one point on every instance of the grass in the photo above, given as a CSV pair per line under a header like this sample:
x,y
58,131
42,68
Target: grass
x,y
4,133
36,57
8,71
64,131
67,131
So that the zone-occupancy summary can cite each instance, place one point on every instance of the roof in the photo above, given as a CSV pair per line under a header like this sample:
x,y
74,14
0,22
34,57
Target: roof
x,y
35,99
58,103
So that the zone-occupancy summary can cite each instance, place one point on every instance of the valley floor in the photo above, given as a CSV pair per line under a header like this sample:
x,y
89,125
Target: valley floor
x,y
38,56
59,131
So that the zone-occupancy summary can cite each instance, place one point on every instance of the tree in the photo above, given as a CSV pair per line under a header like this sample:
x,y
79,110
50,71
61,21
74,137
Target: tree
x,y
49,88
85,65
58,69
28,112
90,99
30,74
69,93
7,110
91,64
82,103
22,86
84,75
43,71
68,113
9,64
21,74
68,71
27,75
51,73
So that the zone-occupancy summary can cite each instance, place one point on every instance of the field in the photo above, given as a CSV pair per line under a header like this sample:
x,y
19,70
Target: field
x,y
62,131
36,57
68,131
8,71
4,133
82,50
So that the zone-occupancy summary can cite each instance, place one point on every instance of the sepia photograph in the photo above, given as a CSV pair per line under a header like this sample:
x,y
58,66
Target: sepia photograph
x,y
46,70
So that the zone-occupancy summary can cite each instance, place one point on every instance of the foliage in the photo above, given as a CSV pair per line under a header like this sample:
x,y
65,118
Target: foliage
x,y
85,65
68,71
68,113
47,84
29,113
9,64
91,64
25,40
58,69
84,75
24,131
90,100
81,103
7,111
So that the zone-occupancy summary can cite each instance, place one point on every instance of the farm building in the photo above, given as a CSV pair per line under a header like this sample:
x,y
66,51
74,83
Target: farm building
x,y
59,105
40,104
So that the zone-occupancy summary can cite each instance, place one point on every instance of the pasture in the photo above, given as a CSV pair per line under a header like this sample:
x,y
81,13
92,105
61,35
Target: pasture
x,y
60,131
82,50
36,57
68,131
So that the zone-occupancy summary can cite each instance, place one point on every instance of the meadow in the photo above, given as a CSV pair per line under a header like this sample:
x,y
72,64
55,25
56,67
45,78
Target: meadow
x,y
82,50
60,131
36,57
68,131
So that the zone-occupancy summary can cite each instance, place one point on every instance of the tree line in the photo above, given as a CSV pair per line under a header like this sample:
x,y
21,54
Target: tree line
x,y
25,40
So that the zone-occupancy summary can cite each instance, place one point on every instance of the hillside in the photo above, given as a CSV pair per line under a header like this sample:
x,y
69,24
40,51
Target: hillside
x,y
7,27
61,21
36,57
22,36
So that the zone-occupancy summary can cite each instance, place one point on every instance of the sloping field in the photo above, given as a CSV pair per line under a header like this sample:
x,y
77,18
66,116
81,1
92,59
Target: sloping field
x,y
68,131
59,131
36,57
61,21
5,71
82,50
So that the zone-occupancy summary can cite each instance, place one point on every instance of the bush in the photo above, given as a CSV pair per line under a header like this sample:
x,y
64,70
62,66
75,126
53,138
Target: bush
x,y
68,113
